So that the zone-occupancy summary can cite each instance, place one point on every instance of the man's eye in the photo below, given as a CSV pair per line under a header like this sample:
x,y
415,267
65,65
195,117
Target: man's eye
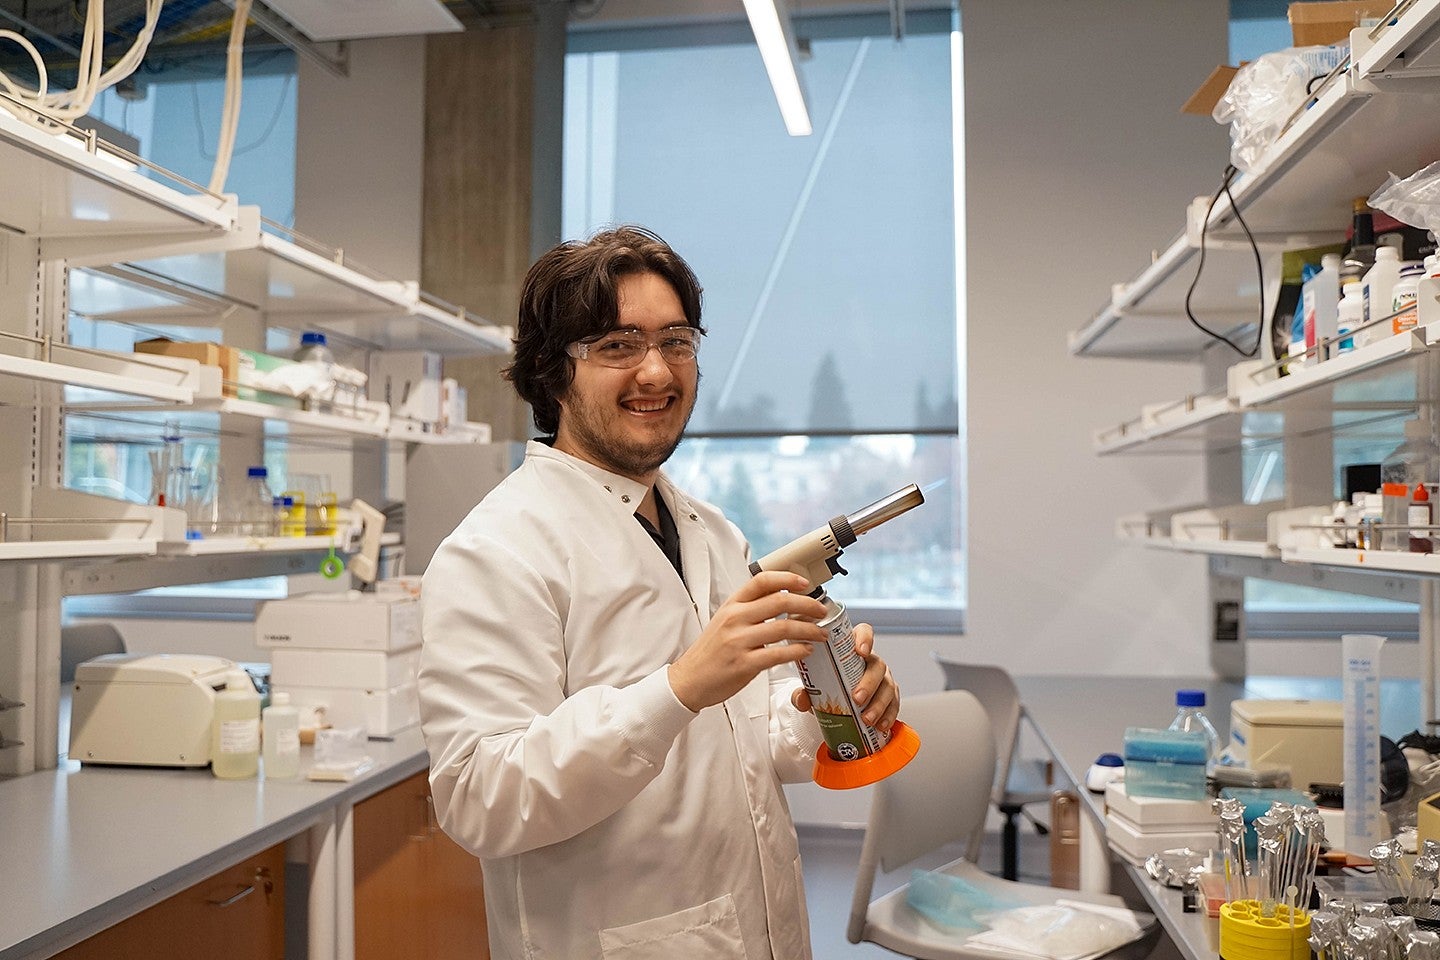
x,y
615,346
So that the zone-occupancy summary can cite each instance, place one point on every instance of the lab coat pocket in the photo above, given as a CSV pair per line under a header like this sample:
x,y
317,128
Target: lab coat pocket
x,y
708,930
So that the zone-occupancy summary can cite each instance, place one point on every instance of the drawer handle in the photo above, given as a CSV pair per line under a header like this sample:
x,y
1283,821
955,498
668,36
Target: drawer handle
x,y
245,891
262,879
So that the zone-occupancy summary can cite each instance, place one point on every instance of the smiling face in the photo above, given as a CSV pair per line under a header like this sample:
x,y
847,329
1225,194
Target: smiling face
x,y
629,421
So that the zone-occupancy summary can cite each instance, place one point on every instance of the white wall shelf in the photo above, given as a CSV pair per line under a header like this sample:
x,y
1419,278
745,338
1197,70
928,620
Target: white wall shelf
x,y
82,196
222,546
162,379
1298,193
294,285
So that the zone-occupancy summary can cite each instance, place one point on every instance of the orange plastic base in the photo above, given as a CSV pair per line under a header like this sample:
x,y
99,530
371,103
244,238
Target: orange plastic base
x,y
848,774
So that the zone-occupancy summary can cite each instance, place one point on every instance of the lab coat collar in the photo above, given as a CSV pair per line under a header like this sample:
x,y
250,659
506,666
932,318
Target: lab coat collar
x,y
626,493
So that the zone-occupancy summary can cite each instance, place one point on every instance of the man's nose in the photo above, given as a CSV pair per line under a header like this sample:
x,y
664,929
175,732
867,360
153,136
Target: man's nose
x,y
653,368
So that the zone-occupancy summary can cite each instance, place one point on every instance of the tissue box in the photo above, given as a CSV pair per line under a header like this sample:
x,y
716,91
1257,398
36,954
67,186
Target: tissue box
x,y
1165,763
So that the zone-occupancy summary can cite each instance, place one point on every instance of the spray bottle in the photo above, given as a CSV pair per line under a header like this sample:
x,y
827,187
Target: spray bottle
x,y
855,754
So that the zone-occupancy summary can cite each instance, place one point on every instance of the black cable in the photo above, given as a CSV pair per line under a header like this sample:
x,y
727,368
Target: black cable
x,y
1255,249
1230,173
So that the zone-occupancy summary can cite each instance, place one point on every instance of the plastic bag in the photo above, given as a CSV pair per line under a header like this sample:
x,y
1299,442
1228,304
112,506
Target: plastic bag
x,y
1414,200
951,902
1058,931
1264,95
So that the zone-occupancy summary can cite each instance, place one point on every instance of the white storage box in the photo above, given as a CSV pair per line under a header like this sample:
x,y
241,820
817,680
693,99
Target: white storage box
x,y
1160,813
1308,736
1135,845
350,669
409,381
340,621
382,713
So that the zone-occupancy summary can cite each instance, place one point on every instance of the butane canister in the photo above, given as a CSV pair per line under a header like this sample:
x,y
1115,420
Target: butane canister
x,y
830,673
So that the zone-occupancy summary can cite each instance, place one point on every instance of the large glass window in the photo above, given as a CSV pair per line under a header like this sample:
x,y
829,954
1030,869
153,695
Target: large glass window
x,y
831,373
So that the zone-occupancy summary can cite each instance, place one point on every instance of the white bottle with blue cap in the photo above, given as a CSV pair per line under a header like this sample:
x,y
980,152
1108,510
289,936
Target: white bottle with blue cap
x,y
1191,718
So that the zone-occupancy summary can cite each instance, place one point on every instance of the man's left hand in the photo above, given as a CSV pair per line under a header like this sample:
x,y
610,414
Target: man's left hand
x,y
877,693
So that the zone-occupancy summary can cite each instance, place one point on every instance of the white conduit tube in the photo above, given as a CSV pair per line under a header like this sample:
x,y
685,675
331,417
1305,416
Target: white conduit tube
x,y
234,70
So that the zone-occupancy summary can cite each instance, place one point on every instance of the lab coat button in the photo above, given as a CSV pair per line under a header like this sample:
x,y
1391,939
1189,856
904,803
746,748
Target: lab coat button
x,y
693,517
624,498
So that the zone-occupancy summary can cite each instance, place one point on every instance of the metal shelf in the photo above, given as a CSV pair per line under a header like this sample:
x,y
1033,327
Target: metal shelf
x,y
1343,145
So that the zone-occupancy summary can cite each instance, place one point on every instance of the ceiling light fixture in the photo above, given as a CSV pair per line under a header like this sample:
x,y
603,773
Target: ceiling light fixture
x,y
770,22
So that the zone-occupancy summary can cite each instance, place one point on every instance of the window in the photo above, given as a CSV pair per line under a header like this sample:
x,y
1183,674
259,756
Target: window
x,y
831,273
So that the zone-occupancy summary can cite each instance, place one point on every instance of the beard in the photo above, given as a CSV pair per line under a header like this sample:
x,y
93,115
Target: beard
x,y
596,430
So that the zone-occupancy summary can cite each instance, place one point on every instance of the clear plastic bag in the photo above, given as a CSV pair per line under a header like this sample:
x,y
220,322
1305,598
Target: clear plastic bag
x,y
1059,931
1264,95
951,902
1414,200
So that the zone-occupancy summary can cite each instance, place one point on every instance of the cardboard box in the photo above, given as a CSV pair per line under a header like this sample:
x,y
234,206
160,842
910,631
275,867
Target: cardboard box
x,y
206,354
340,621
1202,101
1320,24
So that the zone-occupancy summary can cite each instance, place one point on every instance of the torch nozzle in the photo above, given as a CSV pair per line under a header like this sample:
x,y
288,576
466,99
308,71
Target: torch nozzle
x,y
886,508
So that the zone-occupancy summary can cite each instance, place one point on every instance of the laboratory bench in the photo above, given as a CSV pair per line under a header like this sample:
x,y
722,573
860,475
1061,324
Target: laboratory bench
x,y
1078,718
82,848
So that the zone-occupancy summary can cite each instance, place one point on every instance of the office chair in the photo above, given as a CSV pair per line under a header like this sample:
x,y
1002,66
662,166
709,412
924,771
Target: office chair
x,y
1016,784
942,797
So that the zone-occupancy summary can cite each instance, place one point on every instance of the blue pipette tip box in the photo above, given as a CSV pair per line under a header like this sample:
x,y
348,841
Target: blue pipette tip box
x,y
1165,763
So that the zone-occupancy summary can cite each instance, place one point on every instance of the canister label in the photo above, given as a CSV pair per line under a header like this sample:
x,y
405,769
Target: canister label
x,y
240,736
829,673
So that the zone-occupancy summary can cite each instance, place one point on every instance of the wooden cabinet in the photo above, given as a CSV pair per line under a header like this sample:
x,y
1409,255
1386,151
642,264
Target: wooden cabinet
x,y
238,914
417,893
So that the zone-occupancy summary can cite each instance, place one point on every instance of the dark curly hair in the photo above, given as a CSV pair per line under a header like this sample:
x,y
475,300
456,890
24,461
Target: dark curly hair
x,y
571,293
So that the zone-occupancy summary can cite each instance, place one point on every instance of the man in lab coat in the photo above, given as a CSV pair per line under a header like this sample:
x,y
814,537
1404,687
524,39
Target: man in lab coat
x,y
608,706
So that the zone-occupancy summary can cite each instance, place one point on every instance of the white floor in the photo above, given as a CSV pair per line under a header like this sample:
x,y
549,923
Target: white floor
x,y
830,856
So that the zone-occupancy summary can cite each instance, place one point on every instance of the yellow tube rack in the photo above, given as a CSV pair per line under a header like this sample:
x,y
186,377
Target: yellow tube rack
x,y
1246,935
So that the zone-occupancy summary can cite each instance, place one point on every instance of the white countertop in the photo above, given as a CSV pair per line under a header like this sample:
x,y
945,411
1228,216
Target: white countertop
x,y
82,848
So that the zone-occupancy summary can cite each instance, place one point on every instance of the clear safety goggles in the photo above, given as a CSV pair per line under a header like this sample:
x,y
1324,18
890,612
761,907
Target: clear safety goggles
x,y
626,348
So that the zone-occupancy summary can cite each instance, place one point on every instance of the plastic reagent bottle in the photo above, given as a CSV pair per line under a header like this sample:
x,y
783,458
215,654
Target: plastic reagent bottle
x,y
1348,317
1376,291
1191,719
1404,298
1420,518
259,513
281,738
235,732
1320,298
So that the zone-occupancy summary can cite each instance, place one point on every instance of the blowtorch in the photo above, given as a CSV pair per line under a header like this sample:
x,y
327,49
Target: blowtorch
x,y
855,754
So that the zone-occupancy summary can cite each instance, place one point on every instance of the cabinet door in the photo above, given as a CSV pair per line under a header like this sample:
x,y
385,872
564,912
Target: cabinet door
x,y
391,833
456,905
239,914
417,892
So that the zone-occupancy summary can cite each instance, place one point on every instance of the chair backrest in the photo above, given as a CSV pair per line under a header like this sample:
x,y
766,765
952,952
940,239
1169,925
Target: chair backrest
x,y
940,797
997,693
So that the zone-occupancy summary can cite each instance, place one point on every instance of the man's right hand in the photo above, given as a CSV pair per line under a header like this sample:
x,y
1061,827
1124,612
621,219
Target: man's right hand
x,y
736,645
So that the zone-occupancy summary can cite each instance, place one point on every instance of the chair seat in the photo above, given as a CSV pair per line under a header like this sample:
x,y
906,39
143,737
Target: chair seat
x,y
893,924
1028,783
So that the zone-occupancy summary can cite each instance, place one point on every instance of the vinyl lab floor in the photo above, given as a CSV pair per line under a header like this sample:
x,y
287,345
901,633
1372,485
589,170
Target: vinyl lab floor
x,y
830,856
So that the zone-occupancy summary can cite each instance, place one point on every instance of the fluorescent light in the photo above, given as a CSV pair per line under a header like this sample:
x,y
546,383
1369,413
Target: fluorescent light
x,y
770,21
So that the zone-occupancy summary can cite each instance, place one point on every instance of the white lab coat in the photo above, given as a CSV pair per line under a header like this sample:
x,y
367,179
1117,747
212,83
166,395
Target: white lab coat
x,y
610,820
